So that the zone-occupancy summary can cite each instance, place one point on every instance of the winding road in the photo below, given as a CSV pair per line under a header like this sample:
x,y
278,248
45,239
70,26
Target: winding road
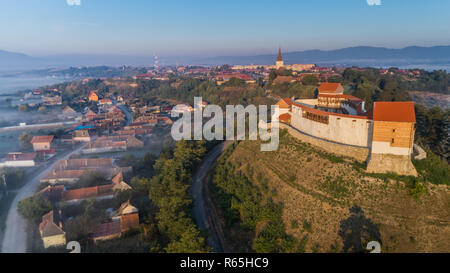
x,y
15,237
202,214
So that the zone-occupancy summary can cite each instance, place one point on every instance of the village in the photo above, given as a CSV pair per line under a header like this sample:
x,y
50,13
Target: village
x,y
79,164
89,147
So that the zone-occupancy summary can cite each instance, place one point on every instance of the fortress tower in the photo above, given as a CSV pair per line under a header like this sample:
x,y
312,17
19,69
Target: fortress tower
x,y
280,63
392,138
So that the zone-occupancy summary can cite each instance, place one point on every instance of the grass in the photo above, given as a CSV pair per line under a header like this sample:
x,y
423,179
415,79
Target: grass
x,y
433,169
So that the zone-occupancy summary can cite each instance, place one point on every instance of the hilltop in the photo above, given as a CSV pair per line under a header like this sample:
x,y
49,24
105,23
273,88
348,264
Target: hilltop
x,y
329,204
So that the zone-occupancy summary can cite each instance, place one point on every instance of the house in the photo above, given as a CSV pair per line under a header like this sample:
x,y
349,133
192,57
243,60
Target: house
x,y
51,230
84,164
124,219
105,102
19,160
81,136
283,79
90,115
182,108
107,144
42,143
284,105
78,195
69,113
62,176
119,183
93,96
328,88
55,100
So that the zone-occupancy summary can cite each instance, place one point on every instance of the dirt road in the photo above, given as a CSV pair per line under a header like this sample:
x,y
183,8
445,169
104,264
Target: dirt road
x,y
202,213
15,238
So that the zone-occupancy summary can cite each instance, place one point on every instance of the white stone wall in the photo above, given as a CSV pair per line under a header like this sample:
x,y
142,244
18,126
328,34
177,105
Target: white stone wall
x,y
385,148
345,130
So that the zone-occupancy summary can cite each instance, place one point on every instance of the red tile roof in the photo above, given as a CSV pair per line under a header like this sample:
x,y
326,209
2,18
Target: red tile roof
x,y
394,111
285,117
329,87
20,157
42,139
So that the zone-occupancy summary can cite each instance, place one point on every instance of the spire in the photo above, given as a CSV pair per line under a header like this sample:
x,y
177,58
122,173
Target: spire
x,y
280,57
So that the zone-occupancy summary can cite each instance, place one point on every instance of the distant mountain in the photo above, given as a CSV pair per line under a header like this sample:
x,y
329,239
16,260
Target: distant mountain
x,y
361,55
13,61
414,56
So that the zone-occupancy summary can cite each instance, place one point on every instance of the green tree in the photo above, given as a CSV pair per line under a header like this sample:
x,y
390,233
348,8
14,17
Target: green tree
x,y
33,208
310,80
25,140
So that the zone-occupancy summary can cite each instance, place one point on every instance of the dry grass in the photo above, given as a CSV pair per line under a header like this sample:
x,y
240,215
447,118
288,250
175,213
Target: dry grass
x,y
317,192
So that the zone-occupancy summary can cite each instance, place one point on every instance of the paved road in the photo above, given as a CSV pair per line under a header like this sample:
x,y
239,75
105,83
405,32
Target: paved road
x,y
15,237
36,126
202,214
128,114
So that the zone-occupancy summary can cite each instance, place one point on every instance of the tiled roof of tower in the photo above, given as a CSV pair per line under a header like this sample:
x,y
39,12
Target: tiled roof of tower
x,y
394,111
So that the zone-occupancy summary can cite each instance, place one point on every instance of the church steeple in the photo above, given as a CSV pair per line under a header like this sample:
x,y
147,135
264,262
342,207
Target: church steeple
x,y
280,63
280,57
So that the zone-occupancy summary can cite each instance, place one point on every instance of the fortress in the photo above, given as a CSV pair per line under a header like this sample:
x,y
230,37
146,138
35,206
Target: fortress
x,y
387,132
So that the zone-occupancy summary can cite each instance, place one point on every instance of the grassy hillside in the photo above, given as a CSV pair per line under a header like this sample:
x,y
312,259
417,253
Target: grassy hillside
x,y
328,204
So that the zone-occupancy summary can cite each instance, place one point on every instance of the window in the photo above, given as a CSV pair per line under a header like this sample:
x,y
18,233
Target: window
x,y
393,141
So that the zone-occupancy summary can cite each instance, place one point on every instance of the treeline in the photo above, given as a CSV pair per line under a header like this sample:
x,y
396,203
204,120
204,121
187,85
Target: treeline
x,y
370,86
185,89
432,130
245,206
169,192
437,81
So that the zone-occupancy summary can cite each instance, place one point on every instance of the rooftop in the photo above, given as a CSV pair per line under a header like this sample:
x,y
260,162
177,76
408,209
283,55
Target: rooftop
x,y
394,111
42,139
328,87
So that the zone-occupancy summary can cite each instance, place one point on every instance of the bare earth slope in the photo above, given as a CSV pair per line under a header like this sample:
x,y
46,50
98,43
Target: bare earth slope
x,y
330,202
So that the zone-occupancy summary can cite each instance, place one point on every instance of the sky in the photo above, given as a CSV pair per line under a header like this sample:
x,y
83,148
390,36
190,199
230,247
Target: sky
x,y
217,28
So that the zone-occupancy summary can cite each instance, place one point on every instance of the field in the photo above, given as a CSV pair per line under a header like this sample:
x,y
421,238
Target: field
x,y
332,205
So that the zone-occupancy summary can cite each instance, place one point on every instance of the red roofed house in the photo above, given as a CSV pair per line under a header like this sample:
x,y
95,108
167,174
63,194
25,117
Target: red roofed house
x,y
19,160
42,143
331,89
105,102
51,230
124,219
93,96
393,138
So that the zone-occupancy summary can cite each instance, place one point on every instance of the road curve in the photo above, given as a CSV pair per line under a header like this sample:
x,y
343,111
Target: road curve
x,y
202,214
15,237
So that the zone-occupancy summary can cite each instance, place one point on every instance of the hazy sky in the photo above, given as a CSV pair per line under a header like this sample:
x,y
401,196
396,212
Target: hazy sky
x,y
210,27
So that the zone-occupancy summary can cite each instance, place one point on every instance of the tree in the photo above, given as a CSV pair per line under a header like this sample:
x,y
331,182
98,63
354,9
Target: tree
x,y
25,140
189,242
91,179
42,109
33,208
24,108
310,80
